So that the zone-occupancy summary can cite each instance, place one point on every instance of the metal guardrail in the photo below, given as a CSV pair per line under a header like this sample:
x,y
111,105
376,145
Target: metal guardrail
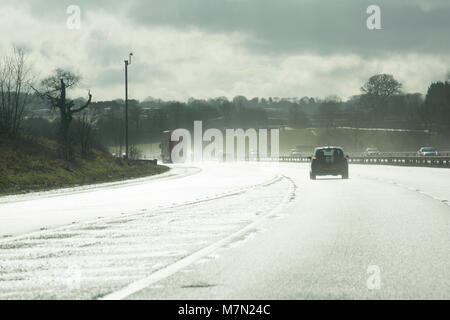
x,y
397,154
411,161
393,160
152,161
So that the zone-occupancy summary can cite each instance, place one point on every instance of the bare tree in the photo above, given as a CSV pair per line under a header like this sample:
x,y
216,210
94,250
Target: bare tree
x,y
54,90
83,127
15,87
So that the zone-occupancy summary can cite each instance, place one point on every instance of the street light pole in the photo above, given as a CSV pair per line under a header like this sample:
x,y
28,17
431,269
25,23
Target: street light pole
x,y
127,62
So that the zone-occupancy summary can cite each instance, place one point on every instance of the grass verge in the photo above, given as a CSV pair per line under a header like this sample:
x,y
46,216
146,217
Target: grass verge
x,y
32,164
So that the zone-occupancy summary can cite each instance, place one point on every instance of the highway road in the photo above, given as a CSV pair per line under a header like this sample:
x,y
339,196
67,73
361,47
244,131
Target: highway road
x,y
234,231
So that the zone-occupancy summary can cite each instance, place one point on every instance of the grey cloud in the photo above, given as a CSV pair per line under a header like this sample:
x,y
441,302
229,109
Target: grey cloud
x,y
287,26
269,60
103,51
145,73
308,26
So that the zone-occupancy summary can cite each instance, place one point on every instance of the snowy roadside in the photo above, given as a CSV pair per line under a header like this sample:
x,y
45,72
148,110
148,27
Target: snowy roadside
x,y
91,259
32,212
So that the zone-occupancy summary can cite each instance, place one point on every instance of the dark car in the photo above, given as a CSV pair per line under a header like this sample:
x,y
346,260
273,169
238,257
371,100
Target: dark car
x,y
329,161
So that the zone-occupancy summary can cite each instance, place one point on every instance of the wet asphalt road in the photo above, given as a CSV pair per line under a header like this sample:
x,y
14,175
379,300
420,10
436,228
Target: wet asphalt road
x,y
363,238
233,231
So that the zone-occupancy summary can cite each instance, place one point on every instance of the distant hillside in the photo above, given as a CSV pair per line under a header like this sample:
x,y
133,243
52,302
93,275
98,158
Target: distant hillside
x,y
28,164
358,139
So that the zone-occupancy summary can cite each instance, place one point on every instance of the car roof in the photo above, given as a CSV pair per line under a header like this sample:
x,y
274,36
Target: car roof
x,y
328,147
428,148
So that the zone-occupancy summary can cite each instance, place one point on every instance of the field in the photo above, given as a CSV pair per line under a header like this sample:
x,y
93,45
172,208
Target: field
x,y
357,140
351,139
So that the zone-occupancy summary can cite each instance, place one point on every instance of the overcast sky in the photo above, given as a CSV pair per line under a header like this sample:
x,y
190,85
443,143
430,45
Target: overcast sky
x,y
210,48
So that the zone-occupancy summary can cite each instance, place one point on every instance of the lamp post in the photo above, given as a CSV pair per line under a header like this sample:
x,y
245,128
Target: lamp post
x,y
127,63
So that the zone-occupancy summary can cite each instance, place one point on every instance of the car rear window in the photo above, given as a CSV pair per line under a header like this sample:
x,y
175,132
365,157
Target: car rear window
x,y
329,153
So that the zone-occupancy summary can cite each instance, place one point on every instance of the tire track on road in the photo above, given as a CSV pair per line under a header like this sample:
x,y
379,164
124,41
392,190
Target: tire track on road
x,y
141,211
113,252
188,260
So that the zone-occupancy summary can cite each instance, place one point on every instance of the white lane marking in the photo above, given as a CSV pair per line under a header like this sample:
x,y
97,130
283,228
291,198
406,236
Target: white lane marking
x,y
413,189
188,260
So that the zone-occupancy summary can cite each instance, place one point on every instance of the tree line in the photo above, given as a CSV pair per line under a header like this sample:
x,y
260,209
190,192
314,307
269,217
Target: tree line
x,y
82,123
381,104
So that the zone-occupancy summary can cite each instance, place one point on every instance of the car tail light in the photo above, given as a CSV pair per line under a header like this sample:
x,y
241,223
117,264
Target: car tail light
x,y
314,159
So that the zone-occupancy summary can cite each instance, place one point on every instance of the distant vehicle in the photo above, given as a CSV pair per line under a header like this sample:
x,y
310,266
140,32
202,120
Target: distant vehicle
x,y
371,152
329,161
166,146
295,153
427,152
